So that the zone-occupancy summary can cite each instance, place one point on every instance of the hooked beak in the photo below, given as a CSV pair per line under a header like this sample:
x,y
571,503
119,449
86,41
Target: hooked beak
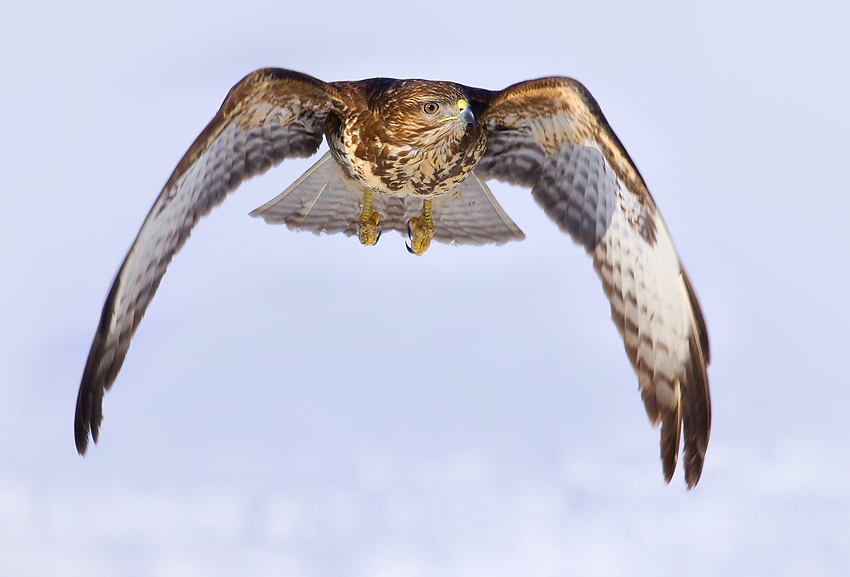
x,y
464,114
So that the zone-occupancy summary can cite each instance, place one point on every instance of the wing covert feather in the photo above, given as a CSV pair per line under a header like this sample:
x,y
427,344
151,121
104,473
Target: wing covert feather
x,y
270,115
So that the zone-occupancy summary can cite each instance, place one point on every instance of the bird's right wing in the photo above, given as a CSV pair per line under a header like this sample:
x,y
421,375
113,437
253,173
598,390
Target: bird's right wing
x,y
270,115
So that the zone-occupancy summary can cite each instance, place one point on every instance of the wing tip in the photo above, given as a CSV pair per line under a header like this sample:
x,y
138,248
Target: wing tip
x,y
100,371
693,421
697,413
693,470
81,435
97,377
671,434
83,418
89,404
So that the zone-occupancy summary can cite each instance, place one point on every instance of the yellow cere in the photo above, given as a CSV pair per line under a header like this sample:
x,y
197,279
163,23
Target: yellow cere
x,y
461,106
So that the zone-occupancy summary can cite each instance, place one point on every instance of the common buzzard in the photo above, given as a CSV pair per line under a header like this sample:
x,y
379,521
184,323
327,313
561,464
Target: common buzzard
x,y
414,156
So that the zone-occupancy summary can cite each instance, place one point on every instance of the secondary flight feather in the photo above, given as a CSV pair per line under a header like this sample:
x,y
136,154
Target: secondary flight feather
x,y
414,156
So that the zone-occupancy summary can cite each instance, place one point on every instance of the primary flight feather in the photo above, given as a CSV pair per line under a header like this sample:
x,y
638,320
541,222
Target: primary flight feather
x,y
414,156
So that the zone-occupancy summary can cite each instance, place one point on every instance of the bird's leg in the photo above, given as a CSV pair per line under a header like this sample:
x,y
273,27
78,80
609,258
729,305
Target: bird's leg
x,y
420,230
367,224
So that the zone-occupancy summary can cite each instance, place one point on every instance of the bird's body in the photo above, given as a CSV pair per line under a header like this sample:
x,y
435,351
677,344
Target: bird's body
x,y
414,156
403,151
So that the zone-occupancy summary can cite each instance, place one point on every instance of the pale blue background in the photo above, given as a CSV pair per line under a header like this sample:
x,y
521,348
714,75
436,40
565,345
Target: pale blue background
x,y
302,406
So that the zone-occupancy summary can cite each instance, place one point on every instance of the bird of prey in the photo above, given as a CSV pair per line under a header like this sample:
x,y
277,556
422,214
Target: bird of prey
x,y
414,156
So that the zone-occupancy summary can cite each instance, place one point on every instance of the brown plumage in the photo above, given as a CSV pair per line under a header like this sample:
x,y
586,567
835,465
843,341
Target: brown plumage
x,y
401,147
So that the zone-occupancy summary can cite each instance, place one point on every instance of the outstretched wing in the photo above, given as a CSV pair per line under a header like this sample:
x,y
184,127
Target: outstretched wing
x,y
551,136
319,202
268,116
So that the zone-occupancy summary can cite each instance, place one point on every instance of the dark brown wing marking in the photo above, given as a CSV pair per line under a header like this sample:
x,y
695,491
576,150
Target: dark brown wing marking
x,y
270,115
550,135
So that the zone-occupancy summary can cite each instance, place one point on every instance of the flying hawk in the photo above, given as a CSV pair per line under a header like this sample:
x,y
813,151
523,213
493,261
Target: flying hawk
x,y
414,156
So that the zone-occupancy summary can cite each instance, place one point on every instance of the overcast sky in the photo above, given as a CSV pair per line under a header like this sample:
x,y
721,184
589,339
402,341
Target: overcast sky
x,y
299,405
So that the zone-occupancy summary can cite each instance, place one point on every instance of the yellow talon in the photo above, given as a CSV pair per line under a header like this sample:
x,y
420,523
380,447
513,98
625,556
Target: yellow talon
x,y
367,224
420,230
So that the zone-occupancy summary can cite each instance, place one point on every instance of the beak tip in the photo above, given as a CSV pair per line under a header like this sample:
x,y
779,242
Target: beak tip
x,y
468,116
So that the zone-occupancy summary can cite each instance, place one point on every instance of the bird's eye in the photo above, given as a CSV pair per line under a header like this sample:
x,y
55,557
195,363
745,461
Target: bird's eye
x,y
431,108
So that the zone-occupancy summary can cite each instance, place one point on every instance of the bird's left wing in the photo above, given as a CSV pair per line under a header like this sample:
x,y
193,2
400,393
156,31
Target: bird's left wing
x,y
550,135
270,115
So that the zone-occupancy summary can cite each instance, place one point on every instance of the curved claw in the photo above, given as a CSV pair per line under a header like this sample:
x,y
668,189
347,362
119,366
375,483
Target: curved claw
x,y
420,231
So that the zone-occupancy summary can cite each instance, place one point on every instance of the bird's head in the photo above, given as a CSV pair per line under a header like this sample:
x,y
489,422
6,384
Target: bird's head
x,y
414,110
414,136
